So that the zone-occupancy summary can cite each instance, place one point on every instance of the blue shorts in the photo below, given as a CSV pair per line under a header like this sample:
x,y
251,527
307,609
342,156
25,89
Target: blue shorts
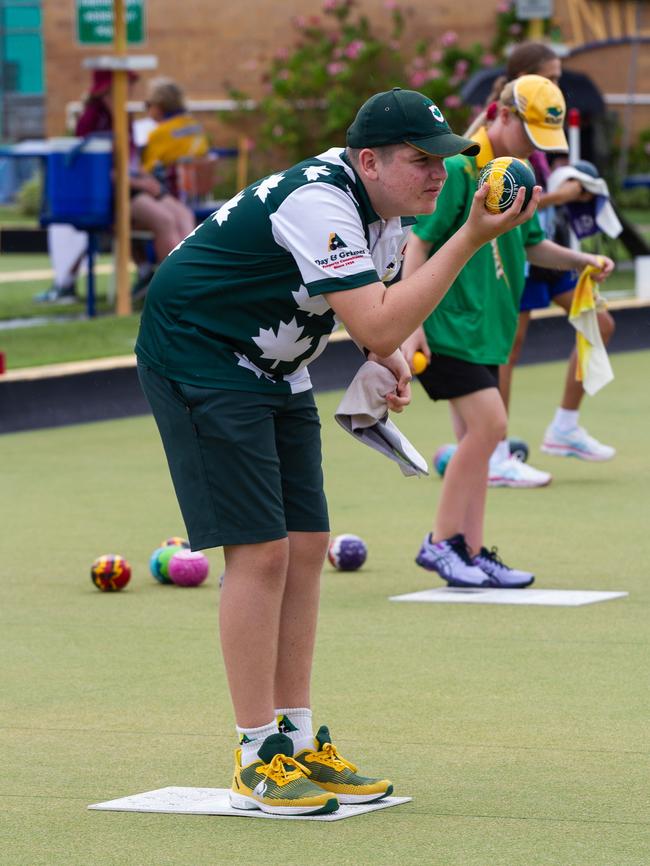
x,y
538,294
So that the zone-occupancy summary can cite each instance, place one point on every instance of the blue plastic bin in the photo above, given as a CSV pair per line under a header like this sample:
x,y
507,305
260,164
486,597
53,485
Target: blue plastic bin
x,y
78,187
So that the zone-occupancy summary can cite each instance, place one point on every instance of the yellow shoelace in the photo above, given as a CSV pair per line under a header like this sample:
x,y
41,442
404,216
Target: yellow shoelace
x,y
328,755
277,770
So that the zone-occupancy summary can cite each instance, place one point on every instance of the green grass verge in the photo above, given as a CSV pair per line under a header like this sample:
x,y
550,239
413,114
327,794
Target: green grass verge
x,y
100,337
18,297
11,215
24,262
58,339
83,339
521,732
640,217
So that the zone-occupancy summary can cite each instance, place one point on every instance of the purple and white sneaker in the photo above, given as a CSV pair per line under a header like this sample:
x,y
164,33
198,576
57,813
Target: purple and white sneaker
x,y
451,560
500,575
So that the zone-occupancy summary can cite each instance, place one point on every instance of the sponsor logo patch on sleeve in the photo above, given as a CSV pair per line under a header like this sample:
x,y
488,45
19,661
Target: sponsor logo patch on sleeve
x,y
340,254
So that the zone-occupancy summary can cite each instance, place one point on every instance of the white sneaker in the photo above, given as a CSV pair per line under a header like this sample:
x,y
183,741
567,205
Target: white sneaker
x,y
513,473
575,443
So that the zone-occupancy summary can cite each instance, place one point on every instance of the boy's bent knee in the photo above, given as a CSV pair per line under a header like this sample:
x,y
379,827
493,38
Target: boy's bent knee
x,y
267,561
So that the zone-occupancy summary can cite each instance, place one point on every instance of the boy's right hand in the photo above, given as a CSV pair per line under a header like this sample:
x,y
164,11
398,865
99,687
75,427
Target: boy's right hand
x,y
482,226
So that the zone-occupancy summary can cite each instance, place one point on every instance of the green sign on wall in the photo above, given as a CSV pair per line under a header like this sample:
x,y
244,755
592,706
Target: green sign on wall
x,y
95,21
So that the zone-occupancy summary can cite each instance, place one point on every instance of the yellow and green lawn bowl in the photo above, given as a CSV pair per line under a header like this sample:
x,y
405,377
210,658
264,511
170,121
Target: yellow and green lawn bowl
x,y
506,175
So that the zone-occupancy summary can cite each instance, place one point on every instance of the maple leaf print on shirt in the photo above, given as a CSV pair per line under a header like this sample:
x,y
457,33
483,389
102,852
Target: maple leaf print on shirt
x,y
267,185
224,211
313,172
286,345
247,364
315,306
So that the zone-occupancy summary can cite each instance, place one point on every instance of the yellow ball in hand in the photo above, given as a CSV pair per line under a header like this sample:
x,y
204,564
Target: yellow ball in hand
x,y
419,363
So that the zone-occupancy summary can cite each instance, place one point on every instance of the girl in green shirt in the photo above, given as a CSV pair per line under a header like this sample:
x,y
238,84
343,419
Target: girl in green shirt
x,y
471,331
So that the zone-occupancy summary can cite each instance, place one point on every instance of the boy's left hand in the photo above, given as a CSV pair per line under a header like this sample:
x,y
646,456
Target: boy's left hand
x,y
398,399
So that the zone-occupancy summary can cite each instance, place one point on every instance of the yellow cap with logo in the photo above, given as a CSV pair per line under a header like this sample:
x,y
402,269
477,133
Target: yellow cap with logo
x,y
541,107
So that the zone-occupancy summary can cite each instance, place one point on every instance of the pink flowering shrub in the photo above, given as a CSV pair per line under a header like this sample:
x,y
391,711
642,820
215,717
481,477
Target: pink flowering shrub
x,y
313,89
439,68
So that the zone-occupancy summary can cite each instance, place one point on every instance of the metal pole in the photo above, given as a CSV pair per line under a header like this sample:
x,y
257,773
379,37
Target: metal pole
x,y
574,135
121,147
574,156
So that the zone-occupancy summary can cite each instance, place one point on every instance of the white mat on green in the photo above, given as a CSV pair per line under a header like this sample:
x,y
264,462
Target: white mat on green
x,y
214,801
552,597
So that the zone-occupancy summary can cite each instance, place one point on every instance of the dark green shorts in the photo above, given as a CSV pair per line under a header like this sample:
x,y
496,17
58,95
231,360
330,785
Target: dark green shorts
x,y
246,467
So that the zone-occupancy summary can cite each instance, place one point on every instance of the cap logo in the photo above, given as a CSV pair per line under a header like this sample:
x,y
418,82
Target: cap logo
x,y
436,113
554,115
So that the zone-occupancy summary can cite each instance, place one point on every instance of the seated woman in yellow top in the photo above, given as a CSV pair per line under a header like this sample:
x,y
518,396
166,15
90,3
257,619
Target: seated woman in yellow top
x,y
178,136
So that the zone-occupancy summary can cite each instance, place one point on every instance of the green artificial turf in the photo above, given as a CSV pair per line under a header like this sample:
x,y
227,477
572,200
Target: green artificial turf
x,y
520,732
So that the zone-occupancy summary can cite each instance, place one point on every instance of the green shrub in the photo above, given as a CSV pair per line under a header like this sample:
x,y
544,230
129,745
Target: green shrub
x,y
635,198
29,196
314,88
639,156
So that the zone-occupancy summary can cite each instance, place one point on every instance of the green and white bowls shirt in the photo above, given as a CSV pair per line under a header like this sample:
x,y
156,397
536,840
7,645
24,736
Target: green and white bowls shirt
x,y
239,303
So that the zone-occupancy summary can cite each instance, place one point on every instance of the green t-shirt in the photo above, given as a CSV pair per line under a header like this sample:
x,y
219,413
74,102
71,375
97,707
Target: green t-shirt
x,y
239,303
477,318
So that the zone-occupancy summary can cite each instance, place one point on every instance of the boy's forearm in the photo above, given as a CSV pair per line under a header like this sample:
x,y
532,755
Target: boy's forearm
x,y
382,317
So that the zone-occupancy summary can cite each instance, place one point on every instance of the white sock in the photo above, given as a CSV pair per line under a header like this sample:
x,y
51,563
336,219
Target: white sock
x,y
566,419
250,740
296,722
500,453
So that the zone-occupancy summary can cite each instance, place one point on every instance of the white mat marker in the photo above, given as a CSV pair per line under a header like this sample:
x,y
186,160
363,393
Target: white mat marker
x,y
550,597
214,801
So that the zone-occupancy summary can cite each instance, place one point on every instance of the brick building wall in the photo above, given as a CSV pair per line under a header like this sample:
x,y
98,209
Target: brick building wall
x,y
208,46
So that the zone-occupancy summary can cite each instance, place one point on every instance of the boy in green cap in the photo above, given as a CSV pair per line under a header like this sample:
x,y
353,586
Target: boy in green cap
x,y
232,320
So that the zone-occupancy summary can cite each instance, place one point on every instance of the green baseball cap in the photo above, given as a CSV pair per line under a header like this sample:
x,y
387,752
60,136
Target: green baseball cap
x,y
406,116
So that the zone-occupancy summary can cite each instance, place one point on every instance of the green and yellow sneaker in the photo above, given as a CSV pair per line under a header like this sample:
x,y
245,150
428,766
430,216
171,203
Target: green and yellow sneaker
x,y
277,783
334,774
